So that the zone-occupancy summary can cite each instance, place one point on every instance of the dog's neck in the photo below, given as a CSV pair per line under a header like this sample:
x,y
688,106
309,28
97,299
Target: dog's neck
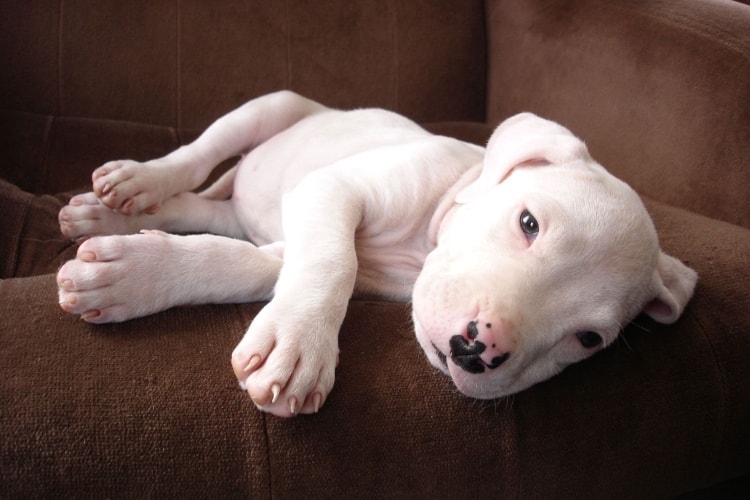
x,y
447,202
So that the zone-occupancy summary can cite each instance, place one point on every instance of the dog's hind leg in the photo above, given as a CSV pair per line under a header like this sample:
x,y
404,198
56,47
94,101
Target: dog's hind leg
x,y
131,187
85,217
222,188
115,278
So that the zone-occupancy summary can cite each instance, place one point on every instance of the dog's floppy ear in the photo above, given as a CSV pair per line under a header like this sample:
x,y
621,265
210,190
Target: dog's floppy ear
x,y
674,283
523,138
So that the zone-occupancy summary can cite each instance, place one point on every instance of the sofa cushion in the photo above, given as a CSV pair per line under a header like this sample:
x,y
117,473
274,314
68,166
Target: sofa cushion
x,y
31,242
150,407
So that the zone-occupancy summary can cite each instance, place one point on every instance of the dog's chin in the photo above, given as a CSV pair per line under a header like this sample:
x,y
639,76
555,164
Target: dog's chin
x,y
479,386
436,361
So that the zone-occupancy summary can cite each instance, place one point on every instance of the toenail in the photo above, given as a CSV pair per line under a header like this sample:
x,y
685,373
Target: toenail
x,y
317,399
293,405
153,208
87,256
106,188
68,301
253,362
66,284
90,314
275,390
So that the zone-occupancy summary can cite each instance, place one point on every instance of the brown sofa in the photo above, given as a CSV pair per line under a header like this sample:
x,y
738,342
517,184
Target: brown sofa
x,y
150,408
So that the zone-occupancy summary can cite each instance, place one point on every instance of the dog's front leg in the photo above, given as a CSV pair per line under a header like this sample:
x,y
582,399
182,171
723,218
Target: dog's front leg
x,y
288,356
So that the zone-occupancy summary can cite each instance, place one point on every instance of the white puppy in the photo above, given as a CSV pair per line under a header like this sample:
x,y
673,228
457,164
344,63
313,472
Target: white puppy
x,y
519,260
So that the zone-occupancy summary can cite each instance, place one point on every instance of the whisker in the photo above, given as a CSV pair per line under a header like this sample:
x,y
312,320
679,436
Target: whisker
x,y
640,327
621,339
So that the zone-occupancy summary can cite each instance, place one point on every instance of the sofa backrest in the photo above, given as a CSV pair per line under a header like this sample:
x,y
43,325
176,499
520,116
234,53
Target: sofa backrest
x,y
183,64
660,91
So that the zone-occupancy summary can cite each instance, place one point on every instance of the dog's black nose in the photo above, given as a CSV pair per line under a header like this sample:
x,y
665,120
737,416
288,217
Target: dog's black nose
x,y
467,354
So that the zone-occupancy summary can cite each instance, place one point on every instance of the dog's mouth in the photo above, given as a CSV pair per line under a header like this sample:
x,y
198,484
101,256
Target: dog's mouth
x,y
441,355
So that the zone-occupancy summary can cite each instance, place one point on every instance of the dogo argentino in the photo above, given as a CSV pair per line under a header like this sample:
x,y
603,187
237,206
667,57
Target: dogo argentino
x,y
519,259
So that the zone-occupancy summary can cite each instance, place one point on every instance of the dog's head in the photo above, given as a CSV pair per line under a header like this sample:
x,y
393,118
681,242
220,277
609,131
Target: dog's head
x,y
542,261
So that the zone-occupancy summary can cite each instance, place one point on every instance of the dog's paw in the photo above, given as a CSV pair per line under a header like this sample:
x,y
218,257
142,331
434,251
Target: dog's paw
x,y
84,216
286,361
133,188
115,278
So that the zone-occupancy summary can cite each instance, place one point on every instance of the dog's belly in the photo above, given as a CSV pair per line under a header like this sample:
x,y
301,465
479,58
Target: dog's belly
x,y
275,167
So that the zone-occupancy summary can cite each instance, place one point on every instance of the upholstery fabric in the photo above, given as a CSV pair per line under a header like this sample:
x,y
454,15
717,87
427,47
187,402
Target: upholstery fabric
x,y
150,407
674,81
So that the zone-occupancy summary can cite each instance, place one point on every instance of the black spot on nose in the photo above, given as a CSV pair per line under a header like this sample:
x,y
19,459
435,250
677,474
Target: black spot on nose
x,y
471,330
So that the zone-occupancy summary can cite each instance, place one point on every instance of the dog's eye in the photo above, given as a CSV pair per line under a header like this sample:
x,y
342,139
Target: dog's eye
x,y
589,339
529,225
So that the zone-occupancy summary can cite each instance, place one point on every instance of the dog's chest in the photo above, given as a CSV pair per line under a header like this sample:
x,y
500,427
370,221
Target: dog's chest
x,y
276,167
389,263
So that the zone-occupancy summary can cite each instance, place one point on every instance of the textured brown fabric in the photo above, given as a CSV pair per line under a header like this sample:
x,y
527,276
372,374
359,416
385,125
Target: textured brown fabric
x,y
31,242
150,408
183,64
55,155
122,410
659,90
